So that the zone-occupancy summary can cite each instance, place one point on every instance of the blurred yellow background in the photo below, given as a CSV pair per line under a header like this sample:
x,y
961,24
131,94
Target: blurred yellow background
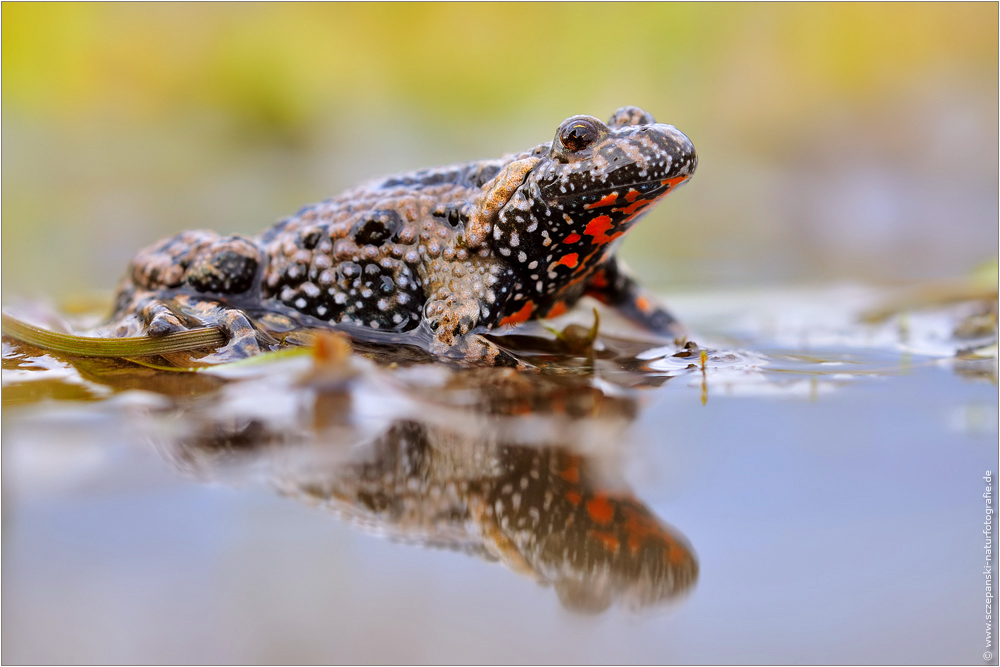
x,y
836,141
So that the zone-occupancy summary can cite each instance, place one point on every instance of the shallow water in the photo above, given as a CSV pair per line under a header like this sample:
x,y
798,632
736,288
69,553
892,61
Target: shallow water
x,y
809,490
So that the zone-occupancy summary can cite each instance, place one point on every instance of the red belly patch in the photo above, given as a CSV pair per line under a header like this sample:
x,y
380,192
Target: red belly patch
x,y
571,260
557,309
520,316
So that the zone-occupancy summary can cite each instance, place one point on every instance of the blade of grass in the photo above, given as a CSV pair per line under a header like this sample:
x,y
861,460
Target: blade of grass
x,y
86,346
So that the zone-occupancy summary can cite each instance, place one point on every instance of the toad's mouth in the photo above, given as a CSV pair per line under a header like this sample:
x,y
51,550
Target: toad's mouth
x,y
649,189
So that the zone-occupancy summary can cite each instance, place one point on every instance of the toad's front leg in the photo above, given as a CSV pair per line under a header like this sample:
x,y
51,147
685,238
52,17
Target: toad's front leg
x,y
159,314
611,284
452,320
242,338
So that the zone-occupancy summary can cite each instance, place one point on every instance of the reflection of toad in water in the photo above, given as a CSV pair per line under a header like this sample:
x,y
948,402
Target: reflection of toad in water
x,y
544,511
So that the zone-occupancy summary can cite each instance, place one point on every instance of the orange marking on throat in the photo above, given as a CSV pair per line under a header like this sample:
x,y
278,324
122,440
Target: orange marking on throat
x,y
572,238
634,206
600,510
607,200
597,228
522,315
571,260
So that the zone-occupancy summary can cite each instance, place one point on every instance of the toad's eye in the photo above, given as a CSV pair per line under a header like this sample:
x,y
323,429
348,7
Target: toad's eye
x,y
578,133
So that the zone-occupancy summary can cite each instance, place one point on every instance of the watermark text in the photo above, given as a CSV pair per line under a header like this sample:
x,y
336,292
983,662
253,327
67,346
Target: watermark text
x,y
988,567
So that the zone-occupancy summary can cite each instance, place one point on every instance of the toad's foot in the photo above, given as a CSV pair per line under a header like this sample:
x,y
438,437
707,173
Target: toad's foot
x,y
157,317
475,350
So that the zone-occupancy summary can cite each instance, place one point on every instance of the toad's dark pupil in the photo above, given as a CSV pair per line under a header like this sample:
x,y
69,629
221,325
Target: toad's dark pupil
x,y
578,136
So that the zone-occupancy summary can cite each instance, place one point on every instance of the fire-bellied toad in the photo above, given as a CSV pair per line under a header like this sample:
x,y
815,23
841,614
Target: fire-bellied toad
x,y
438,255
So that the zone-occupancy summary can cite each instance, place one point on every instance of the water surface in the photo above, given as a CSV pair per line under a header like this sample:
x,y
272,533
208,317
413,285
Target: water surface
x,y
809,490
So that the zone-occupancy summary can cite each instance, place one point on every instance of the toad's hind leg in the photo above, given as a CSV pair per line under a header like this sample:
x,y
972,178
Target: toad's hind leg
x,y
243,339
160,319
140,312
612,285
156,315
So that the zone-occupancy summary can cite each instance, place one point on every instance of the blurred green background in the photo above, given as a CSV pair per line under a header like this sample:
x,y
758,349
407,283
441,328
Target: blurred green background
x,y
836,141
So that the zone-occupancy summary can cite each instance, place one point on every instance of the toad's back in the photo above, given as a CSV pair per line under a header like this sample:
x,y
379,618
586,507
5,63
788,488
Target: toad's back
x,y
371,255
453,251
